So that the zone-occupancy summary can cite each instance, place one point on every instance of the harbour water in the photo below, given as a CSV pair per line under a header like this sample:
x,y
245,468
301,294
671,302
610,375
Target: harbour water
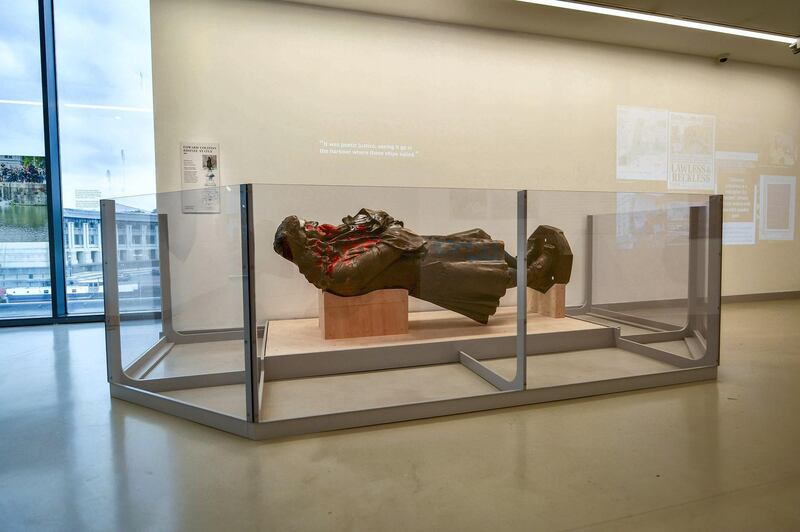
x,y
23,223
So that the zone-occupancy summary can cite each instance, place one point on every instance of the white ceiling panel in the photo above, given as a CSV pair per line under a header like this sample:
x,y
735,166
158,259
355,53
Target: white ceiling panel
x,y
777,16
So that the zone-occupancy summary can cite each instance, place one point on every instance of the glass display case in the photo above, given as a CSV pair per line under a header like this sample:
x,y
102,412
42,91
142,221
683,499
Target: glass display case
x,y
291,309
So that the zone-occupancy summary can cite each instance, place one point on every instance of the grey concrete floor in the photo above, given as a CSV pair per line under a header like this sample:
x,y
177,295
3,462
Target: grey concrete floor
x,y
723,455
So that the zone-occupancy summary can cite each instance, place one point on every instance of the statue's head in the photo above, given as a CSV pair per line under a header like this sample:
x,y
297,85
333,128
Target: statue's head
x,y
295,234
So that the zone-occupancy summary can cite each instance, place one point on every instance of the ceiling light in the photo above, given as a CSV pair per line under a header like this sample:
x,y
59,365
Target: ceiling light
x,y
662,19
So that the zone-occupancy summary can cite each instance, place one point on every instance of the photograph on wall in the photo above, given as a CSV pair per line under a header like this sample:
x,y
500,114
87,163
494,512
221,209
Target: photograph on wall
x,y
737,180
649,220
781,149
777,207
200,178
631,218
642,143
691,152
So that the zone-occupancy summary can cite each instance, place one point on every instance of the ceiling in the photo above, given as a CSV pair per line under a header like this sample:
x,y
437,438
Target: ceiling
x,y
778,16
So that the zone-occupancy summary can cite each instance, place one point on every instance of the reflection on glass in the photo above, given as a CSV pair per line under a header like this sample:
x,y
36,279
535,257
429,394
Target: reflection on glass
x,y
137,259
106,133
24,250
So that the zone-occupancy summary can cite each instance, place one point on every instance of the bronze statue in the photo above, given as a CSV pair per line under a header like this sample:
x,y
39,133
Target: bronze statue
x,y
466,272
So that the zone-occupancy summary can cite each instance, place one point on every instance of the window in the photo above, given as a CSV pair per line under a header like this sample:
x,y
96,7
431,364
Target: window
x,y
24,236
100,132
105,112
152,235
94,237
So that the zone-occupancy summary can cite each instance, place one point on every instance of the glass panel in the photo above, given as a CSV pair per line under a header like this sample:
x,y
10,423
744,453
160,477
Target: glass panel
x,y
25,290
106,132
199,328
640,264
642,256
138,275
411,300
328,275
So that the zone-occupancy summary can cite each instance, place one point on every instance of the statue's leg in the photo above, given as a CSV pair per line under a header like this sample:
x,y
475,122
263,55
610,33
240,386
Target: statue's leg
x,y
510,260
469,234
512,270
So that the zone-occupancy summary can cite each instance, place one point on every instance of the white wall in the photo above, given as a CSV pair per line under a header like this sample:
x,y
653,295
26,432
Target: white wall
x,y
487,109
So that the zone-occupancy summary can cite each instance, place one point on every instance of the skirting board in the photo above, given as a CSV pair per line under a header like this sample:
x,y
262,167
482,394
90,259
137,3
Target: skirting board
x,y
407,412
768,296
734,298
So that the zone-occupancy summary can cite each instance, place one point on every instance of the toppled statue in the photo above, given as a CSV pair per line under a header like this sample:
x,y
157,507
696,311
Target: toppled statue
x,y
466,272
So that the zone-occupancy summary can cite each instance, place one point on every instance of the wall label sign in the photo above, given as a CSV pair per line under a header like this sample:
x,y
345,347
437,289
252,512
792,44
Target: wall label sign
x,y
737,176
200,177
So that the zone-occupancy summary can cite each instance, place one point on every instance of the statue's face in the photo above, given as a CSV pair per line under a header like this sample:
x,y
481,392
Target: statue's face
x,y
290,234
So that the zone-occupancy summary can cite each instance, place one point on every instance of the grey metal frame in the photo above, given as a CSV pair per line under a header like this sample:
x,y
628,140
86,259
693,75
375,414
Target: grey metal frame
x,y
586,306
701,335
252,367
521,353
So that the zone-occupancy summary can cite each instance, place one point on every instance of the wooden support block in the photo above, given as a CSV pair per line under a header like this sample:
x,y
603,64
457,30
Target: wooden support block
x,y
375,314
552,304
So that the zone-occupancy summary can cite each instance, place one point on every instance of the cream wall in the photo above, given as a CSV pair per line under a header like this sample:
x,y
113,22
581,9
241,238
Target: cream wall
x,y
270,81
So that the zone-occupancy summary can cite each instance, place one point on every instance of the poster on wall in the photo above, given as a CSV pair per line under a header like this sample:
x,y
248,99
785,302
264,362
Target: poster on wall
x,y
200,178
691,152
642,143
737,178
87,199
777,207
